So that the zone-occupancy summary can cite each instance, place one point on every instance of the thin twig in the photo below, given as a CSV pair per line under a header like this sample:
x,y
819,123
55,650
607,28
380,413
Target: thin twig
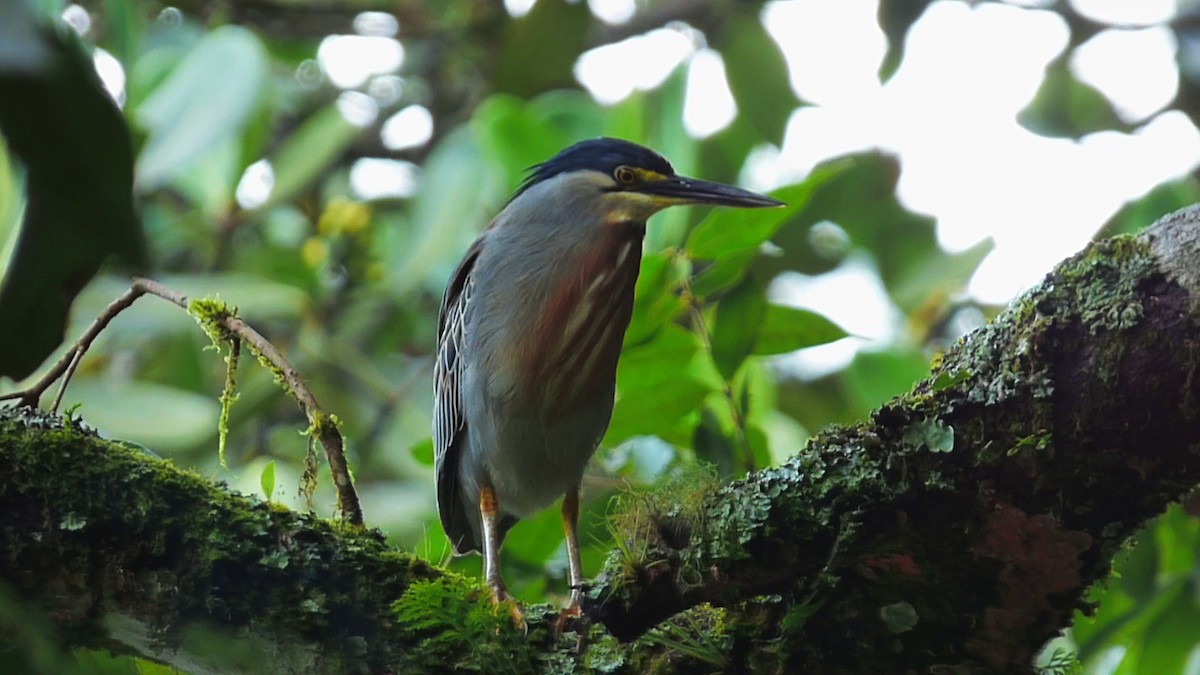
x,y
321,424
70,373
322,427
30,397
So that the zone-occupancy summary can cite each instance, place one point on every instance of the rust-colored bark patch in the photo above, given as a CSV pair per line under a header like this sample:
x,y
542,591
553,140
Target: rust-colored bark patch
x,y
1040,559
896,564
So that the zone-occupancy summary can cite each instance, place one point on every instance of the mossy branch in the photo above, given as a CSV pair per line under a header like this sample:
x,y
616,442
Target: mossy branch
x,y
125,551
222,324
954,531
960,527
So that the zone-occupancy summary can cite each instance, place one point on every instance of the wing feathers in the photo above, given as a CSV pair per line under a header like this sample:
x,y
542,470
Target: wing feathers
x,y
449,422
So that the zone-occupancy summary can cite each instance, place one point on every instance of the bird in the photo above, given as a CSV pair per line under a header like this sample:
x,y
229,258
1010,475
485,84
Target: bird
x,y
528,337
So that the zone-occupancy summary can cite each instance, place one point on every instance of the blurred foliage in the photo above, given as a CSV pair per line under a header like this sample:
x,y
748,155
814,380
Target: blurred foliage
x,y
70,137
1149,613
246,156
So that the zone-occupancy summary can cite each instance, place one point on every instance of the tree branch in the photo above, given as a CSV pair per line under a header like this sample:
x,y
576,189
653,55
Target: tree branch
x,y
957,529
127,552
960,526
322,426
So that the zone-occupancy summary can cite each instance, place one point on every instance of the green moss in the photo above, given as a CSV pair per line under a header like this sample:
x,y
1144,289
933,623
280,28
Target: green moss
x,y
211,313
1096,290
228,396
322,425
308,479
930,434
899,617
646,525
1101,280
459,629
857,502
139,537
604,653
696,640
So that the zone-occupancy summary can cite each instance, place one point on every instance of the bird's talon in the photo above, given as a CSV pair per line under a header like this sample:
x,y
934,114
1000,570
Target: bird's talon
x,y
518,619
501,598
571,617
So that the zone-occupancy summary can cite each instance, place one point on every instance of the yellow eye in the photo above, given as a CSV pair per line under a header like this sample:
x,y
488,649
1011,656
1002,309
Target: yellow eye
x,y
625,175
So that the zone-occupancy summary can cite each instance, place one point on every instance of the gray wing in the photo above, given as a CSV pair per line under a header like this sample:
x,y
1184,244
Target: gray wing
x,y
449,422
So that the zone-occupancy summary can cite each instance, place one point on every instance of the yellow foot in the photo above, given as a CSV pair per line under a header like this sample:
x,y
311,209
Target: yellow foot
x,y
570,616
501,598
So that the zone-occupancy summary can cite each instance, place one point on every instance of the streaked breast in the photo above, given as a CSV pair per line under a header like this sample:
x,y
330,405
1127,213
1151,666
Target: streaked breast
x,y
578,335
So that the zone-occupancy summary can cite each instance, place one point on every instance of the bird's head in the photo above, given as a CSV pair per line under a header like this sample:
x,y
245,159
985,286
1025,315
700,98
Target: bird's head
x,y
630,181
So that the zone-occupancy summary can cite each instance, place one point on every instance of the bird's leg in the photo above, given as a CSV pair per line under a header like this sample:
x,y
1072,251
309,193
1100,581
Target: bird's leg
x,y
570,516
489,510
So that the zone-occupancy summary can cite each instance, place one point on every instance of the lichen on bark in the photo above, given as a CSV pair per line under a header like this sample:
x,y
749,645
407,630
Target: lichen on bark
x,y
106,538
986,500
956,529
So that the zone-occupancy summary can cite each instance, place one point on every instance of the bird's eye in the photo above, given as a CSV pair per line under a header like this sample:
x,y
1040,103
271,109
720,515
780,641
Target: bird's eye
x,y
625,175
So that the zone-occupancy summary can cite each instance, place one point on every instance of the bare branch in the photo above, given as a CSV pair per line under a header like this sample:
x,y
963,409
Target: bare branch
x,y
30,397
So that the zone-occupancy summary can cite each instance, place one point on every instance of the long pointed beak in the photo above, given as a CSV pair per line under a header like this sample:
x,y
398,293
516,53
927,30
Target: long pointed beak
x,y
684,190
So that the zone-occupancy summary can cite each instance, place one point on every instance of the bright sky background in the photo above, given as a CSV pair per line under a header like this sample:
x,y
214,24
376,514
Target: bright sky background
x,y
949,113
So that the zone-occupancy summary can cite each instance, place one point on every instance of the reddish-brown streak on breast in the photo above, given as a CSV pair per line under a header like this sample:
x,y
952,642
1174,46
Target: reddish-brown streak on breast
x,y
550,370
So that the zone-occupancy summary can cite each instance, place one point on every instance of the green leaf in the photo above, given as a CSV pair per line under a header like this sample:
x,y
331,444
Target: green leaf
x,y
1174,634
538,51
1138,214
656,298
711,441
785,329
731,231
513,135
1065,107
663,112
207,99
58,120
443,223
757,73
104,663
422,452
1177,537
12,204
875,377
211,180
659,383
154,415
945,380
123,27
723,154
917,273
722,273
267,479
895,18
572,114
308,151
735,327
936,275
1150,592
536,538
759,443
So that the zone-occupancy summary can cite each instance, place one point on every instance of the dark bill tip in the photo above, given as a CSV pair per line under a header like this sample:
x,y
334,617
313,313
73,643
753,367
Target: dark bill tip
x,y
696,191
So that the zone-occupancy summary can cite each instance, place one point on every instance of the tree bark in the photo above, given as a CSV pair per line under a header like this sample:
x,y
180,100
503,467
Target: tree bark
x,y
957,529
